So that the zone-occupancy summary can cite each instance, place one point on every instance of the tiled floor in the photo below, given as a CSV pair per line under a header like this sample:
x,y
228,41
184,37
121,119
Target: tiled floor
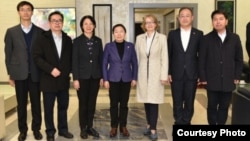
x,y
136,118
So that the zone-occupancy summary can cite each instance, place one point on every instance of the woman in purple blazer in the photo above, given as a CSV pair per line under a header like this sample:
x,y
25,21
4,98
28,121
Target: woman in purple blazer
x,y
119,74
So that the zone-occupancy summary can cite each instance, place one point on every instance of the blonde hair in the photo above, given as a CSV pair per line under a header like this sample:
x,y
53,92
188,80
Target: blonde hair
x,y
144,22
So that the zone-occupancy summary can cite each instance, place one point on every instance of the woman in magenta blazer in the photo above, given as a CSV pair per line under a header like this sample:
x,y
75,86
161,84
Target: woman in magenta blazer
x,y
119,74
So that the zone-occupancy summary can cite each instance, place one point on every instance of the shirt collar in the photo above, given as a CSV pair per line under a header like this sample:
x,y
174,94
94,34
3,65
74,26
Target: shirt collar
x,y
56,36
26,28
185,30
151,35
222,34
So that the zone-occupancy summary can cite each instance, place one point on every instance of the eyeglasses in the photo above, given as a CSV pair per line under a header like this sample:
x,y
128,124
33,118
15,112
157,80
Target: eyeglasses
x,y
184,16
56,21
25,10
149,23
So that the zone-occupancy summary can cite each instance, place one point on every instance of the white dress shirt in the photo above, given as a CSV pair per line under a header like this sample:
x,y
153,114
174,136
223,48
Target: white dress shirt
x,y
222,36
26,29
58,42
185,36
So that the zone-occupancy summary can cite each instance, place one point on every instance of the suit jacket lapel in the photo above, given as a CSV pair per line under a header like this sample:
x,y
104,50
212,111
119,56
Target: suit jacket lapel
x,y
34,35
152,44
54,45
63,47
154,41
144,43
20,33
126,50
178,38
115,50
191,39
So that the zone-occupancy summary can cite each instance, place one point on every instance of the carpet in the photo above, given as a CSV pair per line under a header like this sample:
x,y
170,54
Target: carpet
x,y
136,124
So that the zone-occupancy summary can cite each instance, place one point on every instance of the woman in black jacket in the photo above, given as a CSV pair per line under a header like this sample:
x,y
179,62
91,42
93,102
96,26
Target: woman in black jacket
x,y
87,74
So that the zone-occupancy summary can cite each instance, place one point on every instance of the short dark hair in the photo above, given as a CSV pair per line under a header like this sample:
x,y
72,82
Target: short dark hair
x,y
55,13
215,12
188,8
22,3
118,25
87,17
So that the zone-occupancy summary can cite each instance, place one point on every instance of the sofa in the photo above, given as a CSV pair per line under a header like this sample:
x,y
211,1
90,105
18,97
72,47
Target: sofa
x,y
241,105
2,118
245,75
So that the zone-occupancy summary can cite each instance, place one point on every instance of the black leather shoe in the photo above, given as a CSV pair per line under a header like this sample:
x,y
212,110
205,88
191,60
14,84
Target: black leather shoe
x,y
84,134
37,135
22,136
50,138
93,132
67,135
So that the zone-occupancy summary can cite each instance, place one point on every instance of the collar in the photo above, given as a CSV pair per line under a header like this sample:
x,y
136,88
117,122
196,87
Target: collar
x,y
152,35
56,36
185,30
222,34
26,28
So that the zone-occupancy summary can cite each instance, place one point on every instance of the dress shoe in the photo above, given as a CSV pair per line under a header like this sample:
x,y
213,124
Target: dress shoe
x,y
84,134
113,132
50,138
124,131
67,135
146,132
37,135
93,132
153,137
22,136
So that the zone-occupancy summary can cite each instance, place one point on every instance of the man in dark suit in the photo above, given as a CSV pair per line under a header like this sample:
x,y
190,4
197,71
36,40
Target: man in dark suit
x,y
23,73
220,67
183,46
53,55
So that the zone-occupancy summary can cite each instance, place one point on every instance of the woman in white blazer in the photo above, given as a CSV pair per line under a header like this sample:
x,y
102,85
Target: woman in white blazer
x,y
152,54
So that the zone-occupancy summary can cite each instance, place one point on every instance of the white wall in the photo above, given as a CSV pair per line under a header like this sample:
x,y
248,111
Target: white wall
x,y
9,16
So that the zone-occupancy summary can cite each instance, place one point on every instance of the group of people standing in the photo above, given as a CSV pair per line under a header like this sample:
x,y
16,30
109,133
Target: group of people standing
x,y
41,61
214,60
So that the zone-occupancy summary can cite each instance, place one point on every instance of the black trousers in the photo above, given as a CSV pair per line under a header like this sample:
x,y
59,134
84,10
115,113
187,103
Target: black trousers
x,y
183,93
119,96
217,109
87,95
62,107
23,88
152,111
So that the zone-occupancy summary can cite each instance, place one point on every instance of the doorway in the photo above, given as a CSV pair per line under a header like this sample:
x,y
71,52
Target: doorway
x,y
167,10
138,30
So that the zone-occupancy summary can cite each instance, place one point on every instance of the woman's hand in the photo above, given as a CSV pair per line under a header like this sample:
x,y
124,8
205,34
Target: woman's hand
x,y
76,85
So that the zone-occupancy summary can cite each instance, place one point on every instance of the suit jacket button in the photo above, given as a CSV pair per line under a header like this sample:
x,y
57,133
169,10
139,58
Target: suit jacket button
x,y
90,61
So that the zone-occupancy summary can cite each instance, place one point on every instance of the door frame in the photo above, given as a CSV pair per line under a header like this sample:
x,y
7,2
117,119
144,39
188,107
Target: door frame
x,y
133,6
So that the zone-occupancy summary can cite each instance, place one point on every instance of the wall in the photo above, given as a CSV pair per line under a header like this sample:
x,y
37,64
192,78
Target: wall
x,y
205,7
9,17
121,9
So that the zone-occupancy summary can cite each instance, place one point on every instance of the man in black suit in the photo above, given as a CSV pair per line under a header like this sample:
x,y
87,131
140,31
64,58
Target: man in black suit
x,y
23,73
53,55
220,67
183,46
